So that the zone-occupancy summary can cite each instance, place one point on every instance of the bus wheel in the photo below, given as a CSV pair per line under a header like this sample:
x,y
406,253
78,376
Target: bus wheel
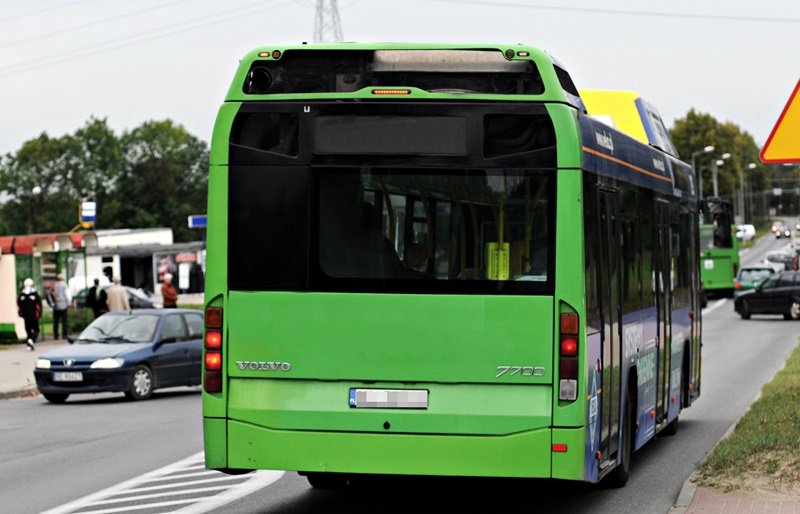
x,y
794,310
745,314
327,480
621,473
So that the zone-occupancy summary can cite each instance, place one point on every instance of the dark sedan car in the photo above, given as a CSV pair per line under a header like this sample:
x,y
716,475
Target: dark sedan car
x,y
137,298
131,352
779,294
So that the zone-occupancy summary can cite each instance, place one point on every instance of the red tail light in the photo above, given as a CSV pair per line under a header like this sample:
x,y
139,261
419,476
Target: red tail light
x,y
737,284
568,357
213,340
213,361
213,347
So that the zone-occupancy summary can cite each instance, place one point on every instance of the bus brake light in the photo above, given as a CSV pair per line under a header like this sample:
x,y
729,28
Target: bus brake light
x,y
213,347
213,361
569,346
213,340
568,357
391,91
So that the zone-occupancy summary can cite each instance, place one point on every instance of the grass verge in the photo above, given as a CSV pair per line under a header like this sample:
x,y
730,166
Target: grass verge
x,y
763,452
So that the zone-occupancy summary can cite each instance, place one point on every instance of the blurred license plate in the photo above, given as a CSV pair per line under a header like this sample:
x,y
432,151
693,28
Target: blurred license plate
x,y
389,398
67,376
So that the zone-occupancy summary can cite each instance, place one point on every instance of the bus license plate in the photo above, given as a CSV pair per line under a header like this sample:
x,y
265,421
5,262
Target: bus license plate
x,y
389,398
67,376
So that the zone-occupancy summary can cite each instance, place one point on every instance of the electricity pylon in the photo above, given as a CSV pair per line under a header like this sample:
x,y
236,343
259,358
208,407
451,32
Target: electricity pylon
x,y
327,26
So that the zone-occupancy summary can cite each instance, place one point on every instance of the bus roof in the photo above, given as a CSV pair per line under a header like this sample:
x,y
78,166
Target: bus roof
x,y
629,113
280,61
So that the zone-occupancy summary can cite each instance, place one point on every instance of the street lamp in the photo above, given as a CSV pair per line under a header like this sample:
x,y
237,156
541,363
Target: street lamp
x,y
699,176
35,191
717,163
742,209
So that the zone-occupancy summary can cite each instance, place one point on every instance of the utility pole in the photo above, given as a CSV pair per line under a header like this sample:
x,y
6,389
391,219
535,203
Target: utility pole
x,y
327,26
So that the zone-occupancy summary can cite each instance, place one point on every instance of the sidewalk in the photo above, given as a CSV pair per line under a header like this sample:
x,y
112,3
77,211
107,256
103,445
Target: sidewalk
x,y
712,501
16,367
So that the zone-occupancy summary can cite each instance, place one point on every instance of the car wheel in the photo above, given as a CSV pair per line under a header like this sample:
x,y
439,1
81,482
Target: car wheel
x,y
794,310
55,397
141,384
745,313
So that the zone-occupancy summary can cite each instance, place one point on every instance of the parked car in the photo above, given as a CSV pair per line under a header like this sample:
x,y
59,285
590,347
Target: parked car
x,y
745,232
778,294
137,298
131,352
749,277
778,260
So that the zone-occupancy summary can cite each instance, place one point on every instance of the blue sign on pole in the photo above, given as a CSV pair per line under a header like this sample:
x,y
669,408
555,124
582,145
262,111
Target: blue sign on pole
x,y
198,221
88,212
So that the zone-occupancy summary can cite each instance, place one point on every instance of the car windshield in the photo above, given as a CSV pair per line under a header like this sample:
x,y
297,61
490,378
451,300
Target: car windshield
x,y
751,275
120,328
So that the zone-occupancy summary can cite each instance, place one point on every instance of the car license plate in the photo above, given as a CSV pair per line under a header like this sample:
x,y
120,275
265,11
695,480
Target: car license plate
x,y
389,398
67,376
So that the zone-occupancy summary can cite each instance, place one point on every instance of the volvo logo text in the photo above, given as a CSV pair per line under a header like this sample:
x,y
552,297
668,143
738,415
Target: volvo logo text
x,y
264,365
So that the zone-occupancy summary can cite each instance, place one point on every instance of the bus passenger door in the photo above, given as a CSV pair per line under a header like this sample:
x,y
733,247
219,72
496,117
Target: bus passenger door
x,y
611,348
663,284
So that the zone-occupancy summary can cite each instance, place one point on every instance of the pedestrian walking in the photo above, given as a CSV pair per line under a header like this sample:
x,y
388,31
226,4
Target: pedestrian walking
x,y
61,299
97,299
169,293
117,297
29,305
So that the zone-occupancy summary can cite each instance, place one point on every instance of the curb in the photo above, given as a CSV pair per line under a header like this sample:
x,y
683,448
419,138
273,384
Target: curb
x,y
685,497
688,489
30,390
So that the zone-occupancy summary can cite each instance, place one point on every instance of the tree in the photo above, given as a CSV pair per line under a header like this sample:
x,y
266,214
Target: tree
x,y
162,181
152,176
697,130
35,179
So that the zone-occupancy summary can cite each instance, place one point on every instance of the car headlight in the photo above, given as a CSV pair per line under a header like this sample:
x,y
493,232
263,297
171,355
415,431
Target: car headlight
x,y
42,364
109,363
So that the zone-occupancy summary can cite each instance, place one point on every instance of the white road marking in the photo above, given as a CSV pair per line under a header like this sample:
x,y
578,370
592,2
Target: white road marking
x,y
208,497
716,305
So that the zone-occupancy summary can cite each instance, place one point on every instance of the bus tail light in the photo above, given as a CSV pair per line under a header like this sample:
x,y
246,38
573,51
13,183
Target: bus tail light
x,y
213,347
568,357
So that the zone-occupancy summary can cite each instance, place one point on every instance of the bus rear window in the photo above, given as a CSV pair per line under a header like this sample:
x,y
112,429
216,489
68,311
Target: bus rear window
x,y
393,229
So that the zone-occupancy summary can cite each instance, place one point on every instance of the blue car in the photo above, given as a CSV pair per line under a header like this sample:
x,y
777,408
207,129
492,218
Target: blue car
x,y
130,352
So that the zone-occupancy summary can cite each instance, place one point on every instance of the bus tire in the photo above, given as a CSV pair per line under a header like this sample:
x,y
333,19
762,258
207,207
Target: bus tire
x,y
745,314
327,480
619,476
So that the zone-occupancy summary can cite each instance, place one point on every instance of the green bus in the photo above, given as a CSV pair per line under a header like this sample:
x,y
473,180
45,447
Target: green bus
x,y
428,260
719,248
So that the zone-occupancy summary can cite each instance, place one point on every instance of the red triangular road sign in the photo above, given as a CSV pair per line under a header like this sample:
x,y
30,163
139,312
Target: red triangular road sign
x,y
783,144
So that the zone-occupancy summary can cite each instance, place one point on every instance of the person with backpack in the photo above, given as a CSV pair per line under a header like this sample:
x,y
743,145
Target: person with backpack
x,y
29,305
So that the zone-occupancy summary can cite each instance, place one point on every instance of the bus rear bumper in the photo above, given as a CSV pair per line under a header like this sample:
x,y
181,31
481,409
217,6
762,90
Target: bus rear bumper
x,y
525,454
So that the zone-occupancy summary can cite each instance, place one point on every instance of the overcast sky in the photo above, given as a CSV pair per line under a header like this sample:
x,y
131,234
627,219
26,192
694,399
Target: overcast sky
x,y
62,61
